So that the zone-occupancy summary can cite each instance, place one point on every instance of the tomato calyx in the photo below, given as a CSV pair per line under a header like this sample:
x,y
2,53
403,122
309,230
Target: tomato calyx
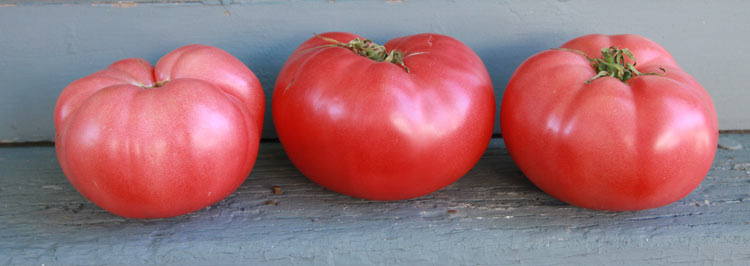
x,y
155,85
613,64
369,49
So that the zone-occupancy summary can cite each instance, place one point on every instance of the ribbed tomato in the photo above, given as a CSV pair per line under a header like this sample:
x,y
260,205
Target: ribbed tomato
x,y
146,142
384,122
627,131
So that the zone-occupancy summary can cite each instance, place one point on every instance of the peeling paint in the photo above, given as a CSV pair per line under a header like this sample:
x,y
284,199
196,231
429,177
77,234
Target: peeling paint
x,y
125,4
118,4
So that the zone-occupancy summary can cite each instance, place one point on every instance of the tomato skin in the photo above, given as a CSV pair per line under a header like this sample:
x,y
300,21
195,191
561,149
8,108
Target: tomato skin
x,y
164,151
373,130
609,145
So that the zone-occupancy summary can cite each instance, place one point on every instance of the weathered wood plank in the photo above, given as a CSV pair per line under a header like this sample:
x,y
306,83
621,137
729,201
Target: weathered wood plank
x,y
493,215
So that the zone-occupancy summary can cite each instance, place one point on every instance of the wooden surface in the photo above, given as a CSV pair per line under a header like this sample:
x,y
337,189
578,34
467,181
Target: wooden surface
x,y
46,44
491,216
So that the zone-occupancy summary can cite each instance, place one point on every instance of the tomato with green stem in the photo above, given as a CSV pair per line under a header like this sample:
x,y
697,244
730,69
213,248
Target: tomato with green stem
x,y
609,133
384,122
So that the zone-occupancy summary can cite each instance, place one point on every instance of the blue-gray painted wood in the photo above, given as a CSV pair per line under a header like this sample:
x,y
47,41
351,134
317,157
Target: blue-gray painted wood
x,y
492,216
44,45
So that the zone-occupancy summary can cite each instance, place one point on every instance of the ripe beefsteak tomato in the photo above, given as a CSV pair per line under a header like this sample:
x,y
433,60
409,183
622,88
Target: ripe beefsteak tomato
x,y
145,142
388,122
607,133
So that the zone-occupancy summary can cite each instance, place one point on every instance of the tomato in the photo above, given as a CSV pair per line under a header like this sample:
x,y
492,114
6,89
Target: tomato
x,y
385,122
603,143
145,142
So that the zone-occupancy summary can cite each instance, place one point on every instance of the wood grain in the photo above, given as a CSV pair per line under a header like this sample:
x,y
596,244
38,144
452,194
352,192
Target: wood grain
x,y
491,216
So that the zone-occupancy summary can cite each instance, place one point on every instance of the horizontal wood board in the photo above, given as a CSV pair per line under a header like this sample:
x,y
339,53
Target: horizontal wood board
x,y
491,216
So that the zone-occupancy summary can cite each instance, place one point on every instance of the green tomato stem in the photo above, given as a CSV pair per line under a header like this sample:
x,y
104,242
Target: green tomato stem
x,y
369,49
613,64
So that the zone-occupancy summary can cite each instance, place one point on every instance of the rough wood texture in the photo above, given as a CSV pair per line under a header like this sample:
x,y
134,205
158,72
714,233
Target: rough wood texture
x,y
493,215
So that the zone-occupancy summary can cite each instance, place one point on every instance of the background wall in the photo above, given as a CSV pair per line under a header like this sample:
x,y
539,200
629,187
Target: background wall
x,y
44,45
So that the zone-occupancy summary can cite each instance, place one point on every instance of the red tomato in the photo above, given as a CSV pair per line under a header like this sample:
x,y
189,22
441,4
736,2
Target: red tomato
x,y
146,142
609,145
389,130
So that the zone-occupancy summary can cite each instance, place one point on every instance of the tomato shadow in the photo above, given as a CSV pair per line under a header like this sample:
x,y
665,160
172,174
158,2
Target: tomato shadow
x,y
495,183
496,169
